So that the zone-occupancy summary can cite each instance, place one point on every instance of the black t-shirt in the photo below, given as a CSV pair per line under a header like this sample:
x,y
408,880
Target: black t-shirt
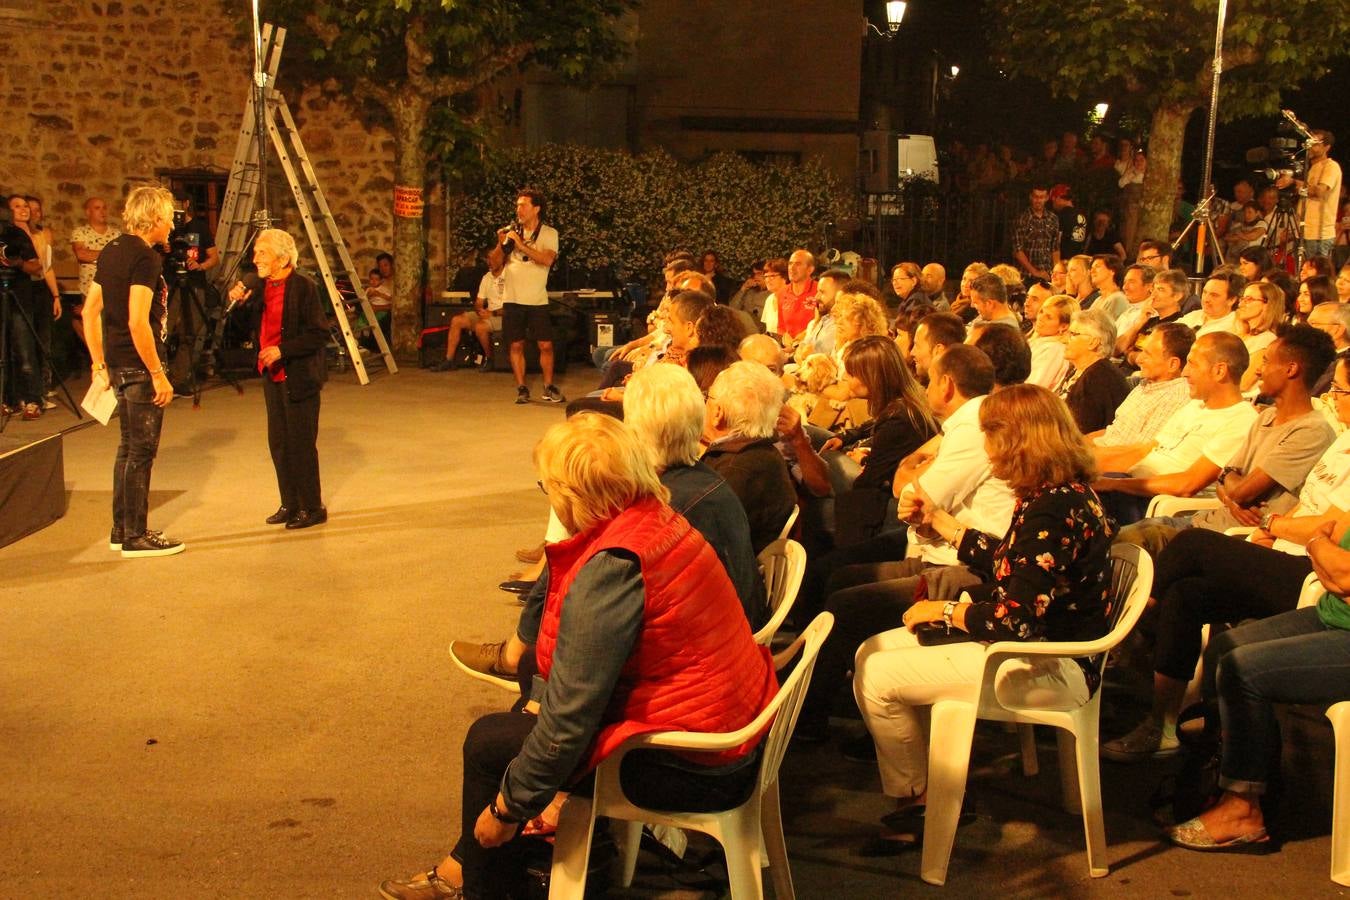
x,y
1104,244
1073,231
18,246
125,262
197,234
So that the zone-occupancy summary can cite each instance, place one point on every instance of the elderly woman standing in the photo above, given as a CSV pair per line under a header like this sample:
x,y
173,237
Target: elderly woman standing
x,y
1048,577
292,332
1093,388
641,632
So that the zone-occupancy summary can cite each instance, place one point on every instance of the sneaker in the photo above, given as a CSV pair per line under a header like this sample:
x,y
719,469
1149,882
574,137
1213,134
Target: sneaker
x,y
553,395
1145,742
486,364
31,411
522,395
152,543
48,403
427,886
115,538
483,661
445,365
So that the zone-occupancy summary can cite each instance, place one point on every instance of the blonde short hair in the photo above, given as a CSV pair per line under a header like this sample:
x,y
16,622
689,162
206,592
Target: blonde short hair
x,y
663,406
146,207
1032,439
1062,305
750,396
1007,274
594,468
281,244
862,310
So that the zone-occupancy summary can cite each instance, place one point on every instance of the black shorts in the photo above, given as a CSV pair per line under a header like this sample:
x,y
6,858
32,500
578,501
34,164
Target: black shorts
x,y
518,320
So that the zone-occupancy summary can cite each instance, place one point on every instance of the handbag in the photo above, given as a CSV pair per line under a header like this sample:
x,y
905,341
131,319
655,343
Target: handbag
x,y
935,634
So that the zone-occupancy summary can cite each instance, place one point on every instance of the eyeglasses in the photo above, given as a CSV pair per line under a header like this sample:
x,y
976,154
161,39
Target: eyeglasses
x,y
1149,258
1335,391
1253,300
1073,333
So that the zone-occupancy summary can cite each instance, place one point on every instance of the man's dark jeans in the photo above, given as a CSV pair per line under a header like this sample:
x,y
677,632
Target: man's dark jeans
x,y
140,420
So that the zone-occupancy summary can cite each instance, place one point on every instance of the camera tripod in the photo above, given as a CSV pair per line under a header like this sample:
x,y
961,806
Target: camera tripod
x,y
1285,222
206,335
10,301
1202,218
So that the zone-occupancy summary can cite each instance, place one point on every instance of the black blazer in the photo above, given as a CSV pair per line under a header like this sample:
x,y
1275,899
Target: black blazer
x,y
304,332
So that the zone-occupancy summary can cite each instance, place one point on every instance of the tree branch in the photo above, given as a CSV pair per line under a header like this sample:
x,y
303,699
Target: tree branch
x,y
484,70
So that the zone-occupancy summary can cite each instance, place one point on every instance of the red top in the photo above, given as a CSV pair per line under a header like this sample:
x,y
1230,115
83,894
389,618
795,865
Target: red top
x,y
274,298
795,311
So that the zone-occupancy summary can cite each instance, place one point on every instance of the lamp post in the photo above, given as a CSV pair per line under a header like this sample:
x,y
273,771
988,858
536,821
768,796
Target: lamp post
x,y
895,14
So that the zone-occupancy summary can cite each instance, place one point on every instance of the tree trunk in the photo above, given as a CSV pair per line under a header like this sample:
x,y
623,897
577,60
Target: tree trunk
x,y
1165,139
409,109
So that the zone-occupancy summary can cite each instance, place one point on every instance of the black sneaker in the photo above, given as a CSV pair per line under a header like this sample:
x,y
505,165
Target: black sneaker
x,y
115,538
486,364
553,395
445,365
152,543
522,395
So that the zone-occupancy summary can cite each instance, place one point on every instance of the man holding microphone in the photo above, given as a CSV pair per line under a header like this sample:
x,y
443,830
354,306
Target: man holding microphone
x,y
126,324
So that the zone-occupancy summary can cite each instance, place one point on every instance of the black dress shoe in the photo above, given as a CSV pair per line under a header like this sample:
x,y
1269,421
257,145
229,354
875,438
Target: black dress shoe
x,y
281,516
306,518
516,587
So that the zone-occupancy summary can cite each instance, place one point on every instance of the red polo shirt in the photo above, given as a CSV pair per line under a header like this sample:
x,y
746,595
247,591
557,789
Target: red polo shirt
x,y
795,311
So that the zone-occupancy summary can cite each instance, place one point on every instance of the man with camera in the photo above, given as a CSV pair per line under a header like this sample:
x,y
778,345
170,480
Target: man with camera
x,y
126,324
1321,192
192,253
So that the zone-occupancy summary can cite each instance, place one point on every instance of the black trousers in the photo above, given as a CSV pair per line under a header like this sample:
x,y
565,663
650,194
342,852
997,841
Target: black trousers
x,y
1203,577
651,778
140,421
292,436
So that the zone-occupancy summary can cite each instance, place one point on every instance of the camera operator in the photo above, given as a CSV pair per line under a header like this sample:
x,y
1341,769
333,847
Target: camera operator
x,y
23,386
126,324
287,316
1321,190
192,253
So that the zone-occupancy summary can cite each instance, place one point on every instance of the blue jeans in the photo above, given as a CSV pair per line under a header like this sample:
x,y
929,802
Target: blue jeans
x,y
140,420
1317,248
1289,658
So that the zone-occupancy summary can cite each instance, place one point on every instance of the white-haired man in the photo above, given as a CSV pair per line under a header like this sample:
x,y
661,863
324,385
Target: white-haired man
x,y
739,426
126,324
288,319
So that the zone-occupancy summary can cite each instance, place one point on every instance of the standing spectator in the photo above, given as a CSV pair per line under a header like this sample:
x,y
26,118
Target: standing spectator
x,y
1102,236
1070,157
1099,151
44,314
128,325
1321,190
86,242
1073,224
185,315
23,384
531,248
1131,185
1036,236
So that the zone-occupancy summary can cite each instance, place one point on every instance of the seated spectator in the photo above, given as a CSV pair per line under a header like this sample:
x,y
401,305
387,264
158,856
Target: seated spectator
x,y
819,336
724,285
1137,286
1298,656
1220,294
1254,262
857,315
1187,453
1265,474
1204,577
1163,305
1156,255
1059,277
1078,283
1259,313
900,421
1047,578
1333,320
650,616
791,307
750,297
486,318
775,280
720,326
961,306
1247,231
1094,388
739,429
1007,349
1343,285
933,282
868,597
1314,265
1105,273
1036,294
763,349
1160,393
1313,290
905,278
1048,366
706,363
989,297
935,333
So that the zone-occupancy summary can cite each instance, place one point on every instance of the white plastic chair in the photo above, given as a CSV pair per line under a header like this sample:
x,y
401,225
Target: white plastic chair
x,y
1339,714
791,520
737,830
1169,505
953,726
783,563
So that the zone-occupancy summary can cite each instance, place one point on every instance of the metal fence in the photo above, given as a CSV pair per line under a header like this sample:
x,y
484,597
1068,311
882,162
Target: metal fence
x,y
953,229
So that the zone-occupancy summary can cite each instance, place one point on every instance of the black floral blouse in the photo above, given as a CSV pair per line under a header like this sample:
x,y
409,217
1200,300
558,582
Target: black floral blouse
x,y
1051,573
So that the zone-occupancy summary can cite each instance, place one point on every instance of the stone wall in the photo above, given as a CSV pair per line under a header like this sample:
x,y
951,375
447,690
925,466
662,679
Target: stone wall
x,y
100,95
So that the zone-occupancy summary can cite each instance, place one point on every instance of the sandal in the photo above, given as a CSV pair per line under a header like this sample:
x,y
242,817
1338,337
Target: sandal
x,y
1193,835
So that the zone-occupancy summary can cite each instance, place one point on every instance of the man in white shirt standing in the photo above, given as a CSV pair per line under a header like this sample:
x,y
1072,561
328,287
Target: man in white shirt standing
x,y
1321,192
531,247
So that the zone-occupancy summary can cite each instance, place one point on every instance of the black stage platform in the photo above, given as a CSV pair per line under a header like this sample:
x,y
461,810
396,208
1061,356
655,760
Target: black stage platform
x,y
32,485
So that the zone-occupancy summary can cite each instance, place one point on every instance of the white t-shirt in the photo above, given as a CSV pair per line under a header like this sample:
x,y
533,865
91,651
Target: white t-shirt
x,y
1327,485
492,290
1194,431
960,481
1319,216
1047,362
1255,343
1196,320
526,279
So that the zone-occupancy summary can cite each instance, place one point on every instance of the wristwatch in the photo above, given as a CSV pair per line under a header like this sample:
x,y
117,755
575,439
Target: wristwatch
x,y
499,815
1266,521
948,609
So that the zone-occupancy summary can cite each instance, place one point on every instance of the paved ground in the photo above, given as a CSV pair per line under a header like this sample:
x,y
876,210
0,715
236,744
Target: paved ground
x,y
273,714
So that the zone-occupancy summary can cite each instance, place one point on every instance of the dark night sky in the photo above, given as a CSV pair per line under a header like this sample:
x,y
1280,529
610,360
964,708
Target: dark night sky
x,y
984,105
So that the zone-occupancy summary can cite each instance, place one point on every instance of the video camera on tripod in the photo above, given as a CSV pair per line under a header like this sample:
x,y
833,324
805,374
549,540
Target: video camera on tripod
x,y
176,256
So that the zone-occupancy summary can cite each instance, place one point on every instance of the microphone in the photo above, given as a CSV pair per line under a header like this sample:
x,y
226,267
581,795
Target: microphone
x,y
1300,126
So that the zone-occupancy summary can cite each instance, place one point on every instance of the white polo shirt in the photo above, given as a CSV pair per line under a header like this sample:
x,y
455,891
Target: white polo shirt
x,y
527,280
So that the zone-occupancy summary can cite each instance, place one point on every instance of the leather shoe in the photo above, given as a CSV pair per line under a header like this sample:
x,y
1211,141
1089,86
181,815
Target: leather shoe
x,y
516,587
282,515
306,518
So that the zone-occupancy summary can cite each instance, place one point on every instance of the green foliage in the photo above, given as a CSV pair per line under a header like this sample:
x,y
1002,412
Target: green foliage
x,y
623,213
1154,54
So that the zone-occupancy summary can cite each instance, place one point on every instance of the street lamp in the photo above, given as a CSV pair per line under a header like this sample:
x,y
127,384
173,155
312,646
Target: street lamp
x,y
1100,109
895,14
956,70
